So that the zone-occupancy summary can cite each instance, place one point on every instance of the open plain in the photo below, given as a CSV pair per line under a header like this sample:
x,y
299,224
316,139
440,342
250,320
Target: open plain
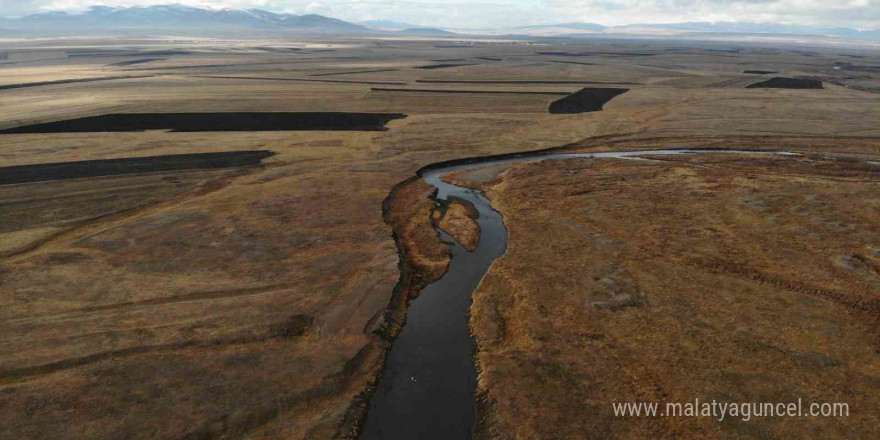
x,y
258,300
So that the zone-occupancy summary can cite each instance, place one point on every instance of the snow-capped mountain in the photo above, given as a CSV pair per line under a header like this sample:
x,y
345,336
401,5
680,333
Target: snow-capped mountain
x,y
178,18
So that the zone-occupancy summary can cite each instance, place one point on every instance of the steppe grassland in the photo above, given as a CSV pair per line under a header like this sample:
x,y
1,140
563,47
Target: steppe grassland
x,y
243,302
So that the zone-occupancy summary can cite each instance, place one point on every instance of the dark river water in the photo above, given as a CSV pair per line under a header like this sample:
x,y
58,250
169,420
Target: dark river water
x,y
427,388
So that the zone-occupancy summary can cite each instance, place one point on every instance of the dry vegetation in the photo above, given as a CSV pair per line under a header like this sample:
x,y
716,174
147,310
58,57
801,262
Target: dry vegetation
x,y
726,277
458,219
256,302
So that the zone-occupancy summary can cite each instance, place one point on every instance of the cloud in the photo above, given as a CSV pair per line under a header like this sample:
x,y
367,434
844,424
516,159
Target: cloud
x,y
846,13
505,13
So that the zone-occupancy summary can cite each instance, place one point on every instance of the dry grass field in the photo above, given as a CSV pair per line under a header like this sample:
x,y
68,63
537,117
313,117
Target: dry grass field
x,y
739,279
257,302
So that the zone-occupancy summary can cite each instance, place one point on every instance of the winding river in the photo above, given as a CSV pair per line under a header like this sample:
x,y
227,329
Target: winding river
x,y
427,388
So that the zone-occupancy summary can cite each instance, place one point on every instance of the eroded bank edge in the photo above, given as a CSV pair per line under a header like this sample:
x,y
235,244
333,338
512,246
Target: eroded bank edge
x,y
413,278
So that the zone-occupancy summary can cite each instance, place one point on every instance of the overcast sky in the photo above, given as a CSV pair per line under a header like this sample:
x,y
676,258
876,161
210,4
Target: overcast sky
x,y
863,14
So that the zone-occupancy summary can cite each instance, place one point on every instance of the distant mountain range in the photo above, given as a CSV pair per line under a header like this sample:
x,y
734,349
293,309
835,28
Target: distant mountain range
x,y
694,29
767,28
389,25
752,28
186,20
572,26
178,19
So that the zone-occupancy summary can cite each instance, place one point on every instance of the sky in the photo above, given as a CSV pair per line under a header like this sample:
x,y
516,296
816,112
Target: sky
x,y
488,14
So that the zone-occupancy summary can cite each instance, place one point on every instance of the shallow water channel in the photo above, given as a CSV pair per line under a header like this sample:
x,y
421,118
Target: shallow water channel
x,y
427,388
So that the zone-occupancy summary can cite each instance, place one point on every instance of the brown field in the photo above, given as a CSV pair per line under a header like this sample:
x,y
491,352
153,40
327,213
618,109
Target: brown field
x,y
257,302
745,279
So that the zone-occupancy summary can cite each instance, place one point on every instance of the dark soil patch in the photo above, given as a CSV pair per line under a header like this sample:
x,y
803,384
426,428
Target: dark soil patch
x,y
263,78
124,53
354,71
133,62
199,122
133,165
443,66
788,83
580,63
164,53
68,81
199,66
759,72
491,92
598,54
562,54
296,325
214,66
586,100
77,53
535,81
850,66
279,49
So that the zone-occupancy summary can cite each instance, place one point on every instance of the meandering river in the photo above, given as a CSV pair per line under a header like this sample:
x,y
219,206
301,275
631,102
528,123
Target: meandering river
x,y
427,388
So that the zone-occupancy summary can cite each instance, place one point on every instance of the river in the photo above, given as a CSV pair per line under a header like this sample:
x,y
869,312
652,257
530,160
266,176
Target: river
x,y
427,388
